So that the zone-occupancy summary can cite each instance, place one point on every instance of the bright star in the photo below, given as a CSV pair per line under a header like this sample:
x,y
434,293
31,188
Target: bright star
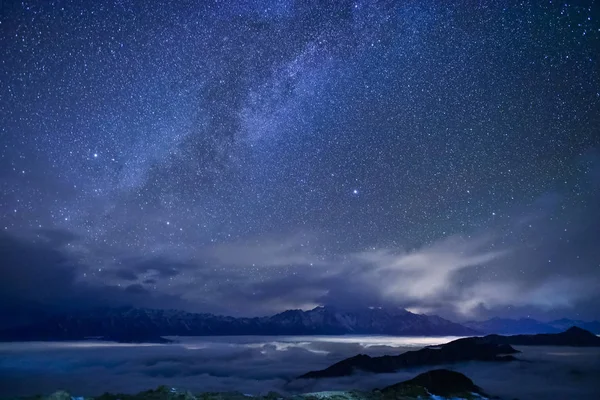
x,y
355,191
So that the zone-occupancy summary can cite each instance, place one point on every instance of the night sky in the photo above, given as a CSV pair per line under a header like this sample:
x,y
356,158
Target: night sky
x,y
247,157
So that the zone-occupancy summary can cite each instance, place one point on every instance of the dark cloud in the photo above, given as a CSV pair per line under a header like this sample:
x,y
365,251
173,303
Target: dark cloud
x,y
38,275
34,269
57,238
125,274
160,267
151,269
136,289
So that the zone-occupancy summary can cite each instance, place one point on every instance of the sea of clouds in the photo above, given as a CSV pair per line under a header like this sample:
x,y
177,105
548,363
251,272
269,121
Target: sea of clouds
x,y
256,365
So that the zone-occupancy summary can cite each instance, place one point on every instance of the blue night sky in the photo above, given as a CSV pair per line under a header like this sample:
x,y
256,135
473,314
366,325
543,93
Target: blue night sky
x,y
246,157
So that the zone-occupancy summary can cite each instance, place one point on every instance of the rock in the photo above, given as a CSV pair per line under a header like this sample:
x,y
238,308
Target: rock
x,y
440,382
60,395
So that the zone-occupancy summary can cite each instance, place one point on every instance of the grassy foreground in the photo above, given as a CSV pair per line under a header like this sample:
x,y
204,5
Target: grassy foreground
x,y
405,392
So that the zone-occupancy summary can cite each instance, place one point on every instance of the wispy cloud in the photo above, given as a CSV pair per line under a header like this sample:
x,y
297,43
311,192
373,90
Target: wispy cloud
x,y
427,272
271,252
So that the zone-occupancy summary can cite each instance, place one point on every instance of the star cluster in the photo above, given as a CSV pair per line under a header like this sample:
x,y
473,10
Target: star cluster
x,y
216,152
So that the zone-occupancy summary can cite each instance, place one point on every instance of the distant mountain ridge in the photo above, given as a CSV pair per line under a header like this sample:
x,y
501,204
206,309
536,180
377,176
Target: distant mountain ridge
x,y
506,326
150,323
574,336
490,348
456,351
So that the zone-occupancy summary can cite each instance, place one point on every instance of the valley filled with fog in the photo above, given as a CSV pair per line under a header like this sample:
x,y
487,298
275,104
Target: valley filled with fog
x,y
256,365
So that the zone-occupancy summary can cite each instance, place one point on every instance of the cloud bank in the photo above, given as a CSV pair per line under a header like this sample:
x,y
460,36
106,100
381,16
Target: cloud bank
x,y
257,365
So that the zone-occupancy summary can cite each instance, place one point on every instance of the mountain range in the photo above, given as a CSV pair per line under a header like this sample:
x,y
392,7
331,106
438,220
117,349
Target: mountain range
x,y
456,351
505,326
137,324
128,324
490,348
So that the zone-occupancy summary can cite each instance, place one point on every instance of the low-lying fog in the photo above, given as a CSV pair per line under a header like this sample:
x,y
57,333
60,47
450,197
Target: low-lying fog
x,y
257,365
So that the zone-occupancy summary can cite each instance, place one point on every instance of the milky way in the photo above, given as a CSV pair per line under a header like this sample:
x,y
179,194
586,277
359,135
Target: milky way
x,y
248,157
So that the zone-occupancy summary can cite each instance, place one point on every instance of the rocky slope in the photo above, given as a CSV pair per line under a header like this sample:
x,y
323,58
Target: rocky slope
x,y
438,382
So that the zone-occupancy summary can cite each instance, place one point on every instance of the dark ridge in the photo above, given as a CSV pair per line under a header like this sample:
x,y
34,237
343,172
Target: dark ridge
x,y
468,349
573,336
487,348
133,324
440,382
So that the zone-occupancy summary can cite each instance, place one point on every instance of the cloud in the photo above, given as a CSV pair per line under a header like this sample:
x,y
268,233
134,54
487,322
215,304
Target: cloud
x,y
151,269
257,365
56,237
136,289
421,277
270,252
460,277
426,273
34,269
125,274
40,274
539,260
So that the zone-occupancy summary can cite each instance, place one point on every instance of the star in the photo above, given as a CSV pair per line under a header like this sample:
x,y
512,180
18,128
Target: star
x,y
263,140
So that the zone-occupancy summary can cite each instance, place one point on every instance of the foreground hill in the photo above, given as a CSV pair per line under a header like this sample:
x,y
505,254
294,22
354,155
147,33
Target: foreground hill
x,y
429,385
438,382
487,348
143,325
